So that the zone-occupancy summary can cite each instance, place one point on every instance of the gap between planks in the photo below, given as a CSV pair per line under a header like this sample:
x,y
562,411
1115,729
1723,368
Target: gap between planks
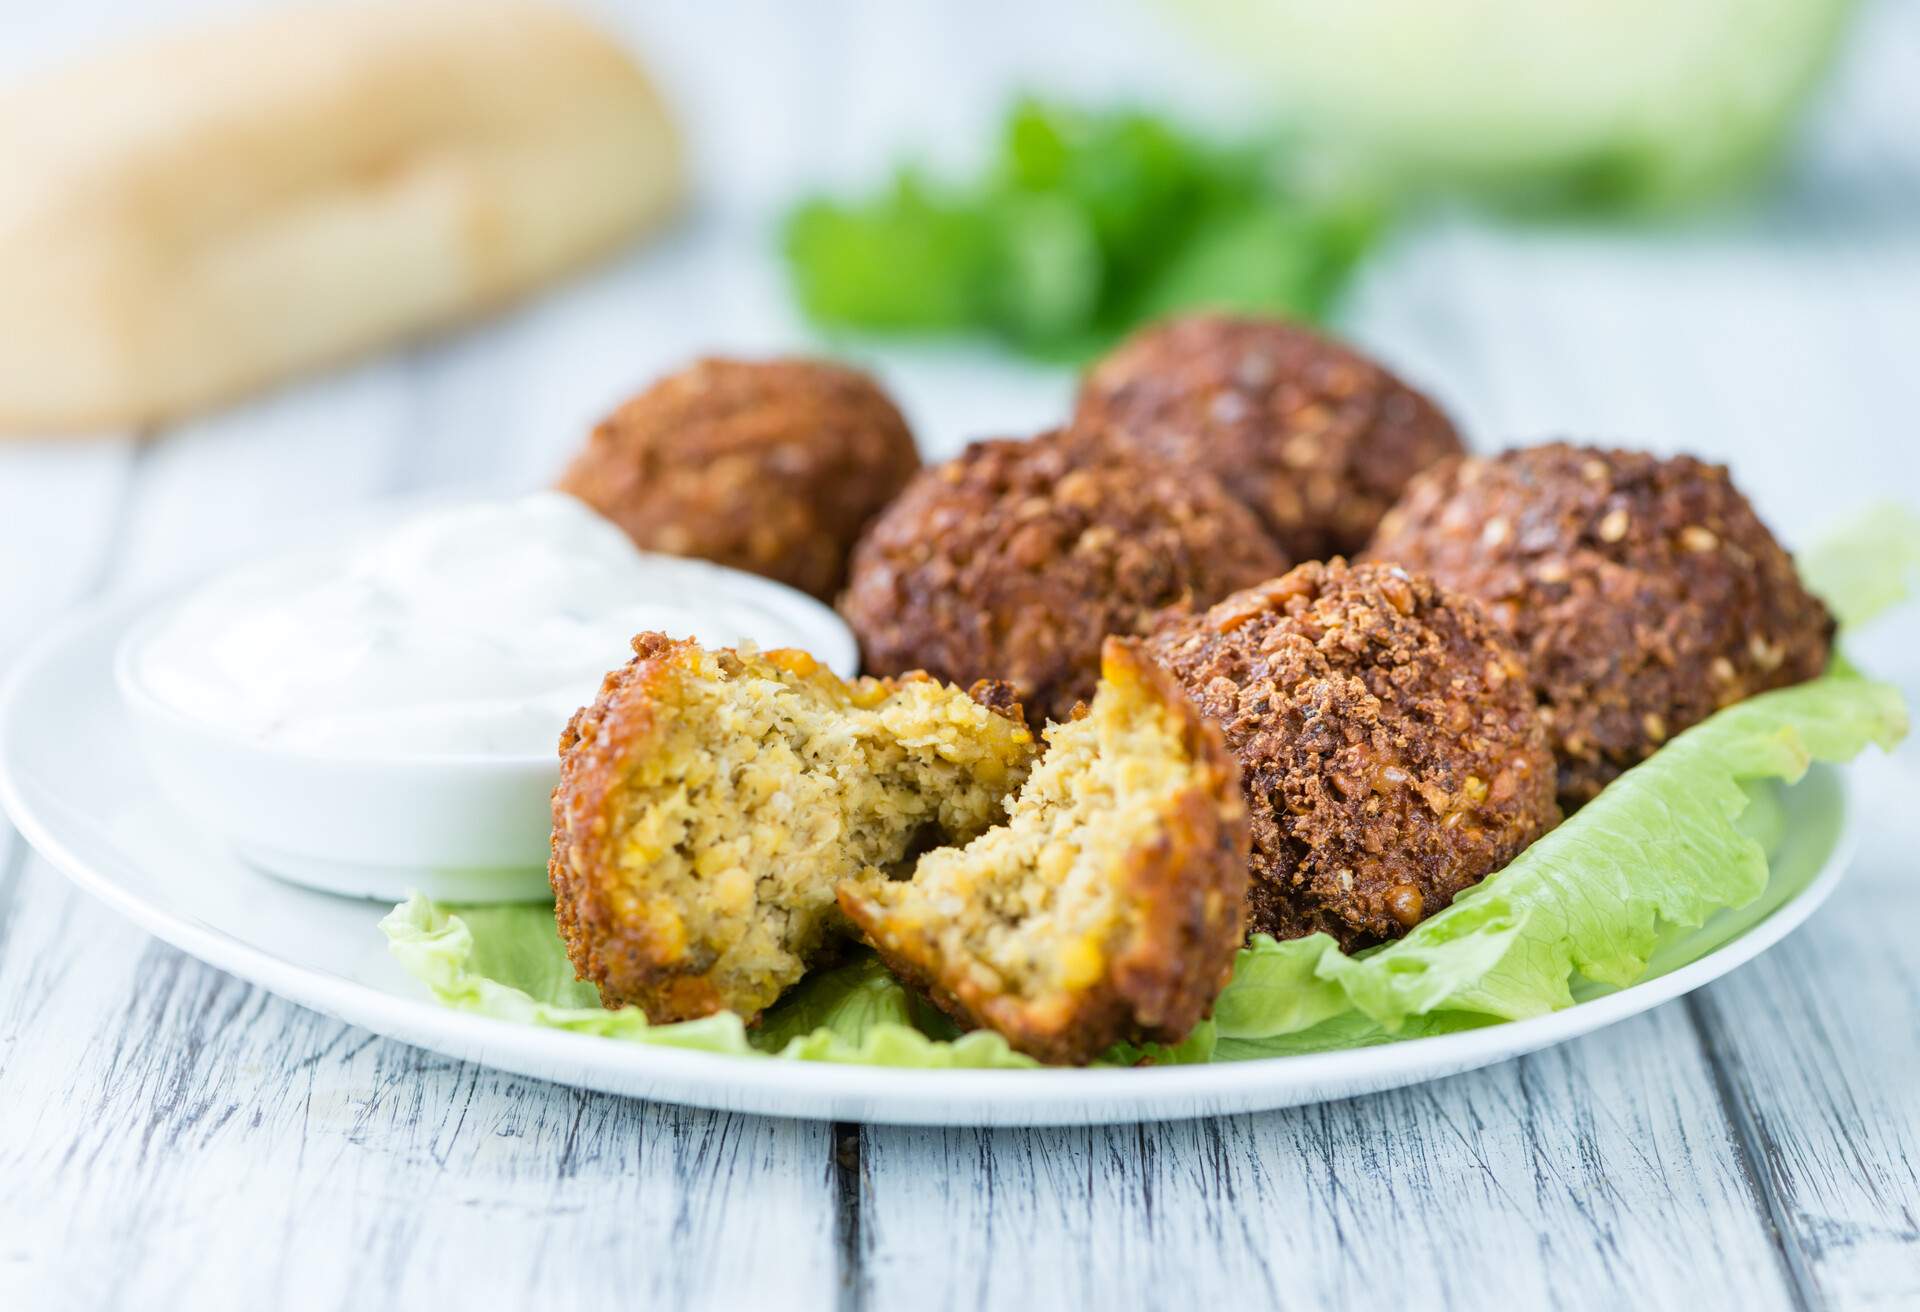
x,y
848,1235
1705,1019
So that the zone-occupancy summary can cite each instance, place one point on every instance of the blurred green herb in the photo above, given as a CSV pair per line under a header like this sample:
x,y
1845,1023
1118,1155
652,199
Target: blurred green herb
x,y
1084,224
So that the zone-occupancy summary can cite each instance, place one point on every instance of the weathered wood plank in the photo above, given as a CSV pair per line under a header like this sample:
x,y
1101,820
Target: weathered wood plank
x,y
1819,1041
179,1139
230,1150
1580,1177
60,507
59,512
241,1150
1766,343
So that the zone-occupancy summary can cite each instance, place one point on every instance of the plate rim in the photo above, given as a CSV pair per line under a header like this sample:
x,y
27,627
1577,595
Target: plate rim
x,y
882,1095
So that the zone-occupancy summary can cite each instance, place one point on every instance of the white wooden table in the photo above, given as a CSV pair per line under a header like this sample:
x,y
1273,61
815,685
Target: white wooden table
x,y
170,1137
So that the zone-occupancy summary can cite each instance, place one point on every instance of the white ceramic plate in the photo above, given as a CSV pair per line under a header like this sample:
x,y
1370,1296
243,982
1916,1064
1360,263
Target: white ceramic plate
x,y
72,784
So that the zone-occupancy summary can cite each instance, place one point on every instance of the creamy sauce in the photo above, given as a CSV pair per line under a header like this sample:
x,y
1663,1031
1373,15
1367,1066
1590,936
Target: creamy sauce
x,y
467,630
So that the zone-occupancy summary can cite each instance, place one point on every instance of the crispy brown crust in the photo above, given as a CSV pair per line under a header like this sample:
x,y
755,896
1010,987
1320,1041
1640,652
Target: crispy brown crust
x,y
1315,437
1016,559
619,953
1644,592
1000,698
1387,740
613,946
771,466
1188,918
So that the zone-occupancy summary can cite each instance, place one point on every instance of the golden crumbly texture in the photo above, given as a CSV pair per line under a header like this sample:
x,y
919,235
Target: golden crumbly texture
x,y
1315,437
1015,560
772,466
1387,737
1644,592
710,802
1110,905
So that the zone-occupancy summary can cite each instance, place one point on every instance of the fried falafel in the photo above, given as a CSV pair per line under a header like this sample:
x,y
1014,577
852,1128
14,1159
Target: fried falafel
x,y
1386,737
1015,560
1644,592
1318,439
770,466
710,801
713,804
1110,905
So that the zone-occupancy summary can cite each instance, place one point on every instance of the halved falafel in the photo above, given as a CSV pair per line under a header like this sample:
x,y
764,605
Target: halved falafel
x,y
712,805
1015,560
772,466
1386,736
1108,907
1317,438
710,802
1644,592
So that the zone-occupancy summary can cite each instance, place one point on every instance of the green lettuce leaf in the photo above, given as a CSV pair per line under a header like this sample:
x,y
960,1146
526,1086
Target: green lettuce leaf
x,y
1663,846
1868,566
1671,842
1621,884
1194,1050
1349,1029
506,961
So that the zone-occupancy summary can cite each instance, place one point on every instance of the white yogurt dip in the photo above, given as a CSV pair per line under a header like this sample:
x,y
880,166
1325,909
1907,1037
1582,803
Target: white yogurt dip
x,y
461,631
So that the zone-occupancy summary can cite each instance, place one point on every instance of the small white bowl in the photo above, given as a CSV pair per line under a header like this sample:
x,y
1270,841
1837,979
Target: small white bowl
x,y
458,828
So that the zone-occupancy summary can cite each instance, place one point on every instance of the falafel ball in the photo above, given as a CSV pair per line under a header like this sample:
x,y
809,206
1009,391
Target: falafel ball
x,y
716,808
1644,592
1387,739
1014,560
770,466
710,801
1110,905
1316,437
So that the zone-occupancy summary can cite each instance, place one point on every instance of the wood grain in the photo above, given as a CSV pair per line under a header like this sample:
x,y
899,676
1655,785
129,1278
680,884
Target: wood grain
x,y
171,1137
1597,1170
1820,1044
175,1111
58,524
227,1149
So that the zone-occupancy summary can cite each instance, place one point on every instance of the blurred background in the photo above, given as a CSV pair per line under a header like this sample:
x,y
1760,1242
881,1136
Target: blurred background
x,y
1669,224
1672,226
